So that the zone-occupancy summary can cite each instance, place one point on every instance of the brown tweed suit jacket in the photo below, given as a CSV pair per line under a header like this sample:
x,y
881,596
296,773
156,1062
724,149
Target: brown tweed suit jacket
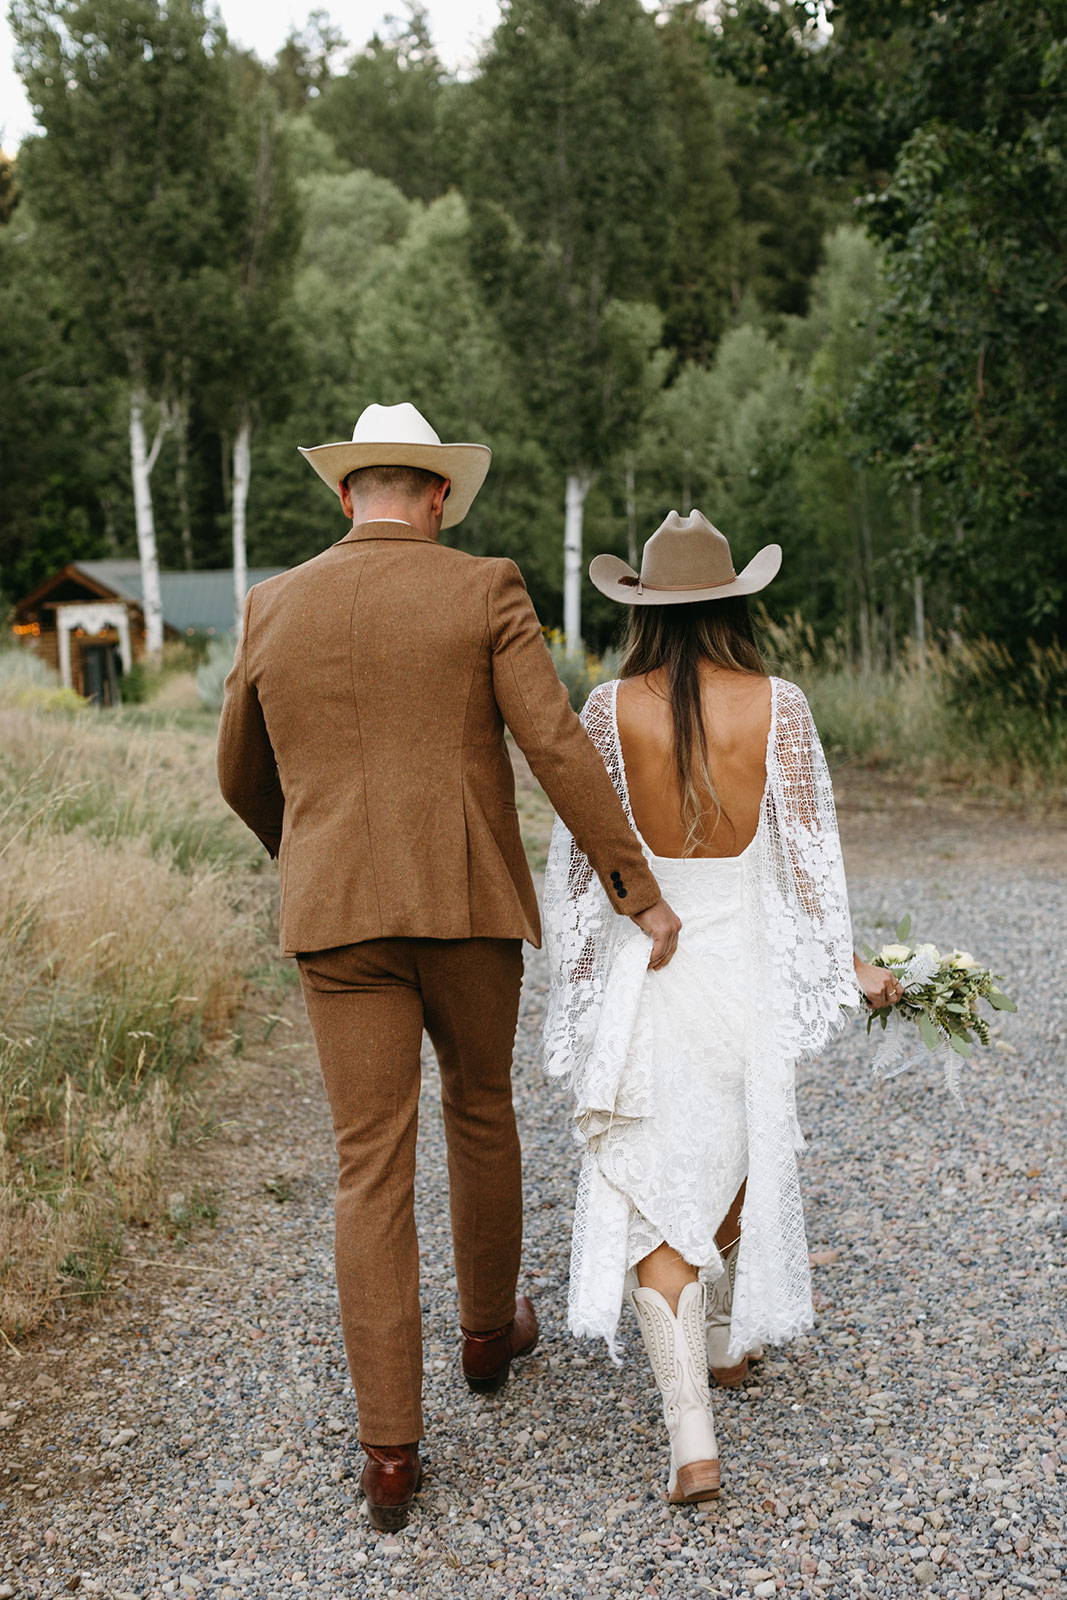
x,y
362,740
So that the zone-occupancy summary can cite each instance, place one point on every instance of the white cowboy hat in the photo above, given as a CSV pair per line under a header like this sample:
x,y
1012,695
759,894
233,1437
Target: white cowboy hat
x,y
400,436
685,559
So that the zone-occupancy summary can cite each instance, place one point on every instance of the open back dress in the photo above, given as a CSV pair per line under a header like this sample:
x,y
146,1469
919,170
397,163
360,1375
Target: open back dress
x,y
684,1079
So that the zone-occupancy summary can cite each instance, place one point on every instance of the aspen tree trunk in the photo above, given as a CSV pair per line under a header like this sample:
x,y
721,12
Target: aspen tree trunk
x,y
577,488
142,460
242,476
631,513
182,477
918,595
866,610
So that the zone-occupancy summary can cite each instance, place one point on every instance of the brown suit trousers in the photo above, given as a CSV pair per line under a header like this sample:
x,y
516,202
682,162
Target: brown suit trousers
x,y
362,739
368,1004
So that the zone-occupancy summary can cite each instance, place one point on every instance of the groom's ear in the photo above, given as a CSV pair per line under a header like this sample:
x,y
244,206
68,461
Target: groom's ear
x,y
440,495
346,498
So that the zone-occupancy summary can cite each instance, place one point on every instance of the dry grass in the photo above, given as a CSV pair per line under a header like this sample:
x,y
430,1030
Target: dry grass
x,y
130,909
967,713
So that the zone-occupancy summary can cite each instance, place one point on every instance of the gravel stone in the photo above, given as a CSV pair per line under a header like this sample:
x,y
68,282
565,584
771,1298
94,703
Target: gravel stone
x,y
914,1440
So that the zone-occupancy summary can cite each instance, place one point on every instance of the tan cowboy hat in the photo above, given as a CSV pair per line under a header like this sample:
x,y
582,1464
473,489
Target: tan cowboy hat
x,y
685,559
400,436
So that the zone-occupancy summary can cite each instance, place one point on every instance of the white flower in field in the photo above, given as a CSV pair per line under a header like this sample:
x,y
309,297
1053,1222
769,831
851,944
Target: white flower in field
x,y
930,951
895,953
963,958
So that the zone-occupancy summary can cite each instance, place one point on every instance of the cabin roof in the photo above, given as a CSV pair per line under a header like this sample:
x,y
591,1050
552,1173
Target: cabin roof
x,y
201,602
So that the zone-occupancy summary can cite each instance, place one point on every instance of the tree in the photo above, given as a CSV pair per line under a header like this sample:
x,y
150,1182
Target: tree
x,y
304,64
61,447
250,367
861,554
382,112
9,189
704,246
951,117
745,217
133,99
564,169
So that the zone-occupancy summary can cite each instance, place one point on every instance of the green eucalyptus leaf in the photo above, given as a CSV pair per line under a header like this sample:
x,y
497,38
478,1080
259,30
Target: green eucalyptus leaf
x,y
904,928
1000,1002
928,1031
962,1046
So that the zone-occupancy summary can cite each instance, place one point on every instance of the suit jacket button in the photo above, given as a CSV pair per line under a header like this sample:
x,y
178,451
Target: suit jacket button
x,y
622,893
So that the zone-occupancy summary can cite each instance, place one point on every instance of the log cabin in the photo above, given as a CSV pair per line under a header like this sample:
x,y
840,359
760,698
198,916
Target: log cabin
x,y
86,620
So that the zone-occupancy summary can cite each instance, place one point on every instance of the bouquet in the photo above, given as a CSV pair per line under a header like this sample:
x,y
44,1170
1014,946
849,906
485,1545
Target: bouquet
x,y
941,995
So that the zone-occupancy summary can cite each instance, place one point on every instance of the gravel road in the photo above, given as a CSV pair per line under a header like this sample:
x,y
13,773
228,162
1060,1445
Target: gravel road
x,y
195,1435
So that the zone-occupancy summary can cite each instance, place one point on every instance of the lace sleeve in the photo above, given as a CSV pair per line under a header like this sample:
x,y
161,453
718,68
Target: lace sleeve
x,y
811,895
578,917
807,808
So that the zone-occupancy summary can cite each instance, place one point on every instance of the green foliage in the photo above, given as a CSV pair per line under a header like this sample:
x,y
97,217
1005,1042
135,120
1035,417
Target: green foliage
x,y
248,360
1013,703
617,248
304,65
61,459
565,151
581,673
21,668
135,684
134,100
963,711
952,115
211,674
9,188
383,113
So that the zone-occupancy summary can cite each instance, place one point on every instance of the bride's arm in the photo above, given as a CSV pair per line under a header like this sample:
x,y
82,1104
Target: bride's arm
x,y
807,821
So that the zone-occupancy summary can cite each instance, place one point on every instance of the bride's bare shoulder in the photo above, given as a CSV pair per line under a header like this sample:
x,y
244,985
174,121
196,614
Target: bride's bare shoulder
x,y
641,696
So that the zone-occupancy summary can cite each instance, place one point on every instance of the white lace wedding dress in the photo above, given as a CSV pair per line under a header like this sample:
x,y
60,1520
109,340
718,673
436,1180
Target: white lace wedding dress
x,y
683,1079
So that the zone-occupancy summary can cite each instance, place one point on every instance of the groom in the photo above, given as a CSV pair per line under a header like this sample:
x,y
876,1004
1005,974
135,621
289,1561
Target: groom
x,y
362,740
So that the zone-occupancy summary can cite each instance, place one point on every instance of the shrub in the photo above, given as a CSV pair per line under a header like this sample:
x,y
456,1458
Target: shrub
x,y
581,674
125,934
22,668
133,687
211,674
969,711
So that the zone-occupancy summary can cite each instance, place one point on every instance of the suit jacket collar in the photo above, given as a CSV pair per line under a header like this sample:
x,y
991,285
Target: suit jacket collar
x,y
385,530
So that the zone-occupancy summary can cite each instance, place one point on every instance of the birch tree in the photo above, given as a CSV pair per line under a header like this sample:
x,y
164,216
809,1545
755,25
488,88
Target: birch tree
x,y
248,364
131,97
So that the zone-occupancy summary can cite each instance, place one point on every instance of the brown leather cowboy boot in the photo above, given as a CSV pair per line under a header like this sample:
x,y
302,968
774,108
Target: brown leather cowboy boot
x,y
391,1476
487,1357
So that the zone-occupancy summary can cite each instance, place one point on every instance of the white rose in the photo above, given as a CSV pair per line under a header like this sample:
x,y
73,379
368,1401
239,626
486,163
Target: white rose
x,y
929,950
895,953
963,958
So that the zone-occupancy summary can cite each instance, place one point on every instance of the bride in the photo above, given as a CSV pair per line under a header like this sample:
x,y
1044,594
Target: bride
x,y
688,1199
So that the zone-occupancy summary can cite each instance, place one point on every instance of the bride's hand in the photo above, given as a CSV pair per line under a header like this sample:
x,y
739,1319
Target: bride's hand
x,y
663,928
882,987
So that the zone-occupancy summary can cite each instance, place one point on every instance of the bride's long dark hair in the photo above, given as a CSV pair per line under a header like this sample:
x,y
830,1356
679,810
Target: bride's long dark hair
x,y
675,639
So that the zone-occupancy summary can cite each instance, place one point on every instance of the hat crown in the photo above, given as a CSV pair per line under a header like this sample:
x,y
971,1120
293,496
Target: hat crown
x,y
400,424
686,553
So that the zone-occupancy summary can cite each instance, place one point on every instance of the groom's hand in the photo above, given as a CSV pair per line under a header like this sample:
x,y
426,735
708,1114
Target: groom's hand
x,y
663,928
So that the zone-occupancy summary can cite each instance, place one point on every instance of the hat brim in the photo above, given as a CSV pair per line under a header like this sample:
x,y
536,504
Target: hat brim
x,y
465,465
614,578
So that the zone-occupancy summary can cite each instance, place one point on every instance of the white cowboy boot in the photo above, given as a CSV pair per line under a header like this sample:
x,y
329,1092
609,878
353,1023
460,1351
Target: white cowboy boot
x,y
720,1310
675,1345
